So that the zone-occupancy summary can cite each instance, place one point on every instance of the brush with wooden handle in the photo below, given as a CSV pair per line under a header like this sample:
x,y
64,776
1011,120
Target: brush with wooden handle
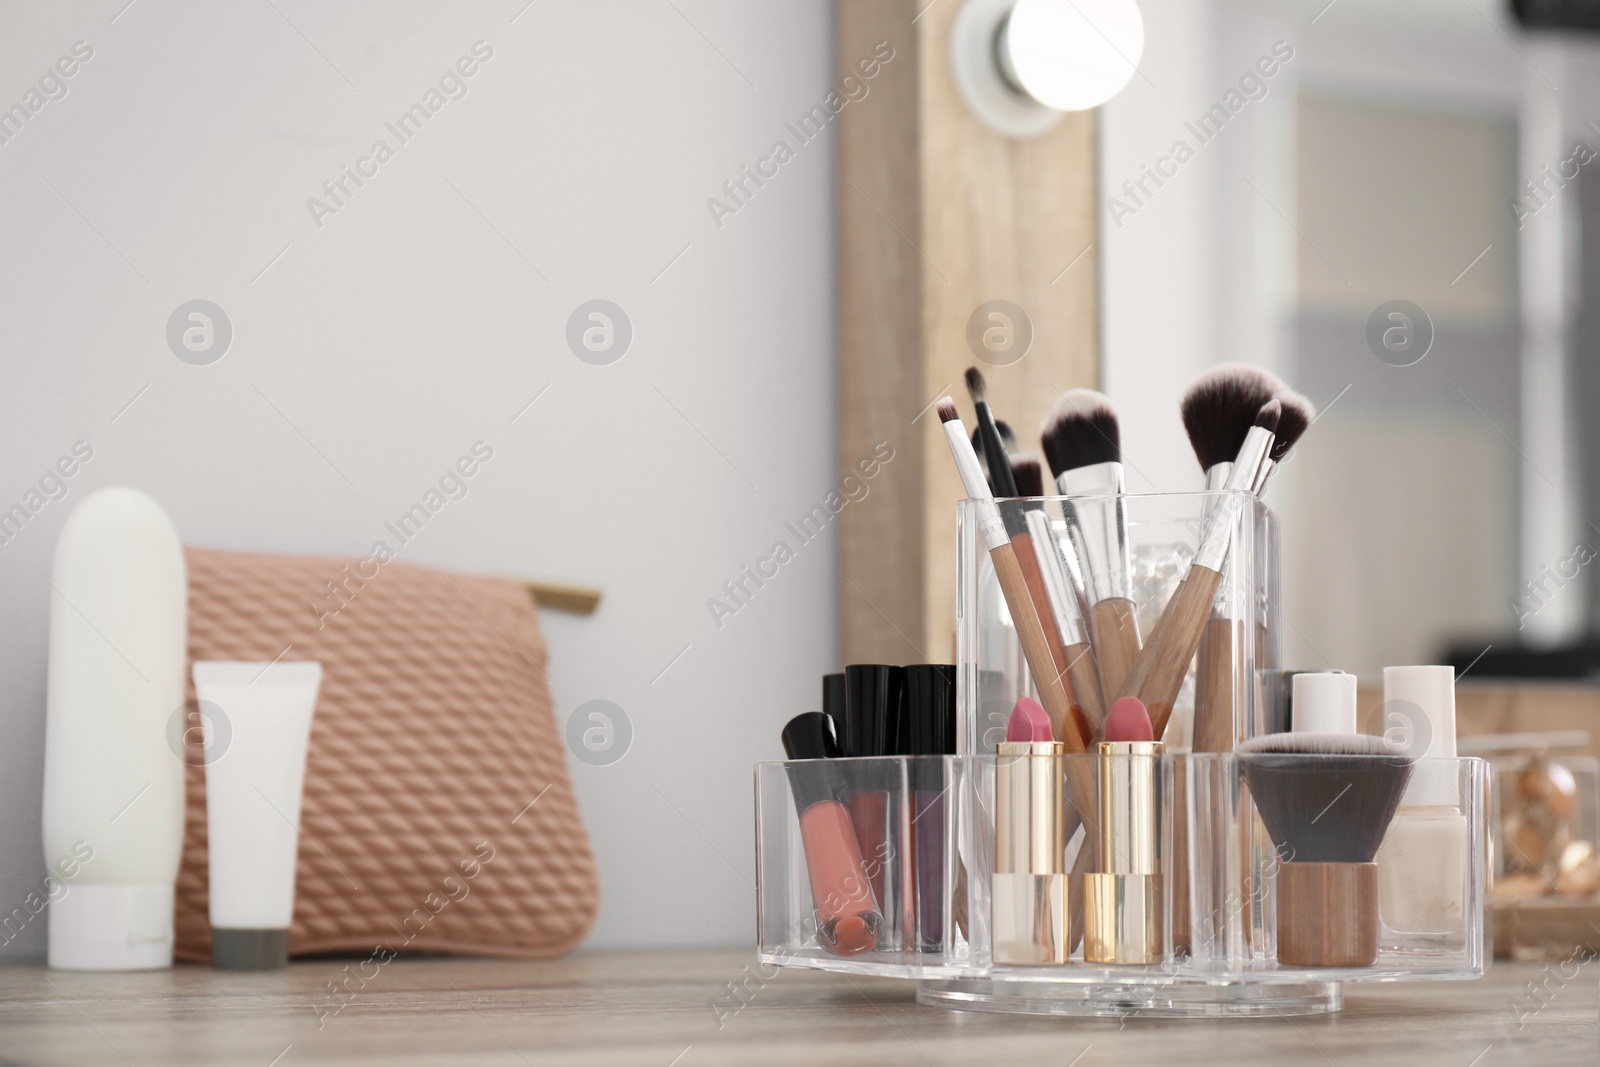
x,y
1069,636
1218,411
1033,557
1030,628
1017,474
1219,663
1298,415
1083,442
1158,673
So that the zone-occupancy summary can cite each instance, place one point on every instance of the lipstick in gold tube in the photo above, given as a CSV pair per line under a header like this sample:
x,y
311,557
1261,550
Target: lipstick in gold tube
x,y
1030,876
1122,905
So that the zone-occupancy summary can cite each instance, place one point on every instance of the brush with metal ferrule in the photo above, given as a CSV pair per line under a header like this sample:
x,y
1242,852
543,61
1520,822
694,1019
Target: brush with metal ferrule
x,y
1068,636
995,445
1083,677
1218,411
1034,558
1013,585
1030,628
1298,415
994,449
1158,673
1083,443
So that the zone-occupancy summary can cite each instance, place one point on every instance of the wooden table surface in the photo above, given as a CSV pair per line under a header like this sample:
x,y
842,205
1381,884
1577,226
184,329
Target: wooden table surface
x,y
674,1009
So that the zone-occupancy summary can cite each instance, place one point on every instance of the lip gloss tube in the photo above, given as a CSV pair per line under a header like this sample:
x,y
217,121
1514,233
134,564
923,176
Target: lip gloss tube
x,y
849,921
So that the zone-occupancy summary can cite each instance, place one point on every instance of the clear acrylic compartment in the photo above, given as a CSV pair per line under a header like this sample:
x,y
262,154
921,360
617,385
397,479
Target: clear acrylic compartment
x,y
1163,531
866,842
1218,912
929,823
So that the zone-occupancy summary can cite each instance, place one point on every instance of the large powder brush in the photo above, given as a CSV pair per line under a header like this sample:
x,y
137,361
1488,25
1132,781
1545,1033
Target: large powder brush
x,y
1326,801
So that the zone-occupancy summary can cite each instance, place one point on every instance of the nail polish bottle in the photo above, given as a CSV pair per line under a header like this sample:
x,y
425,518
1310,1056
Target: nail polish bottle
x,y
1424,863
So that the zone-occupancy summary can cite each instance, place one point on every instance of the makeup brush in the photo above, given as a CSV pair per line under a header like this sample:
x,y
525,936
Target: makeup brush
x,y
1030,628
1326,801
994,449
1069,636
1009,571
1218,411
994,441
1219,664
1158,673
1034,557
1008,441
1058,570
1028,473
1298,415
1083,442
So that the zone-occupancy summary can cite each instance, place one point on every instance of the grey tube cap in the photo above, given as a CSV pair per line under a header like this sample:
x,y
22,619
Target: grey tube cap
x,y
249,950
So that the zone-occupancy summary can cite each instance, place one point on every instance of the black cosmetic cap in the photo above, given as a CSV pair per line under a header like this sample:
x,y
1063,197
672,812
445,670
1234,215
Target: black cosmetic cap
x,y
833,703
809,735
931,709
874,710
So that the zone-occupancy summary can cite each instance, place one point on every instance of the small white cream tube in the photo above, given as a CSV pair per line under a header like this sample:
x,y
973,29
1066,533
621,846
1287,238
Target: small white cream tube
x,y
255,769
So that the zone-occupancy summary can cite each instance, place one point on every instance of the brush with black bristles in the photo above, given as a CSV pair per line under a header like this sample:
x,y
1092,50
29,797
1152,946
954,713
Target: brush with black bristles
x,y
1083,442
1298,415
1008,441
1040,562
1013,568
1219,663
1061,584
996,445
1218,411
994,448
1159,671
1003,553
1326,801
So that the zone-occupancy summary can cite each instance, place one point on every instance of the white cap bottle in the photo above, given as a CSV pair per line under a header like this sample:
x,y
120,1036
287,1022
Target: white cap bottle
x,y
1424,862
1324,703
113,782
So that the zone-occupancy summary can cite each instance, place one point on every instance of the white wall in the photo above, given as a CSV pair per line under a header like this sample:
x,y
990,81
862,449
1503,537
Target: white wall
x,y
424,316
1159,293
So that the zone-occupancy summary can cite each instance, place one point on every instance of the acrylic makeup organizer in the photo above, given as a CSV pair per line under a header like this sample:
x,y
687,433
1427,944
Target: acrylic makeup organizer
x,y
926,824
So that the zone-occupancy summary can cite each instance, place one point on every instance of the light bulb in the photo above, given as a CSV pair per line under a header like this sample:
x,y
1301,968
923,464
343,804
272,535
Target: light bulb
x,y
1070,55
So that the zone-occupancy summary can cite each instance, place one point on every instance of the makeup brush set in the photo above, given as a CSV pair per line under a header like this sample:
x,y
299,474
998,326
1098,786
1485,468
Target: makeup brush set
x,y
1140,810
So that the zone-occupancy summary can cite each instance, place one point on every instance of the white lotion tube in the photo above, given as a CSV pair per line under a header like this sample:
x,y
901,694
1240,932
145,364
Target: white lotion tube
x,y
113,787
255,769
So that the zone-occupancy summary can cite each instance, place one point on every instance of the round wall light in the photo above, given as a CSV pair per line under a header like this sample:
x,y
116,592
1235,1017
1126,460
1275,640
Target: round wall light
x,y
1020,64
